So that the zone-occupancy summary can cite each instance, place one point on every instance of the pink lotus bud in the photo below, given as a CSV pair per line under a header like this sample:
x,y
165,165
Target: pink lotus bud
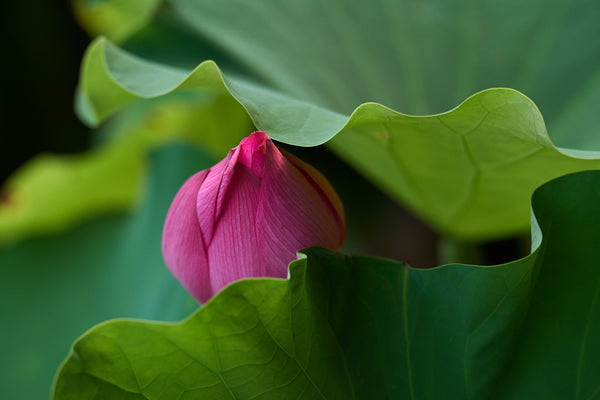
x,y
247,216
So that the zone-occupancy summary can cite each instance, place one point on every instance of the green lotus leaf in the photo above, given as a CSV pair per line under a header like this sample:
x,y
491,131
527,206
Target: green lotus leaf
x,y
418,58
355,327
469,172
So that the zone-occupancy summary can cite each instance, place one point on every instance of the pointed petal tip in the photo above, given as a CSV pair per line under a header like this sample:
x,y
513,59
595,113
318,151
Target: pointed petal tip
x,y
252,150
254,140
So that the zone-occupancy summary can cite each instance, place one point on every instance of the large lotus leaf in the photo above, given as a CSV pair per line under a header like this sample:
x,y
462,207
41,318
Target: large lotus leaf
x,y
416,57
358,327
52,289
55,192
469,172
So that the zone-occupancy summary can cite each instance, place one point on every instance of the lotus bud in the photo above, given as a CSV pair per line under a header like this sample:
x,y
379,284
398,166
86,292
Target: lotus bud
x,y
247,216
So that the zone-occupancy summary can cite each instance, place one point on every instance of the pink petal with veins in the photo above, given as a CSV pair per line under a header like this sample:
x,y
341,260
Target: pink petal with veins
x,y
182,245
247,217
295,212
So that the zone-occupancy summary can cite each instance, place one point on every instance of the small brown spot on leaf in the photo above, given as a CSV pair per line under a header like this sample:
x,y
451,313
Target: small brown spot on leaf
x,y
381,135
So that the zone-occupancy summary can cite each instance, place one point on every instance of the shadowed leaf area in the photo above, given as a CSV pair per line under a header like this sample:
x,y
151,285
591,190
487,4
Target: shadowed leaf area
x,y
359,327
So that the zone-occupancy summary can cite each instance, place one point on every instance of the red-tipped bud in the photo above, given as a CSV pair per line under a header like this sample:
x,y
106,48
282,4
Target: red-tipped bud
x,y
247,216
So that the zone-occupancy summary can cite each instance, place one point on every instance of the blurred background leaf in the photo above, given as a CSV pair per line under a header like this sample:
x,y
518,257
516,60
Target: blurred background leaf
x,y
115,19
54,192
55,288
